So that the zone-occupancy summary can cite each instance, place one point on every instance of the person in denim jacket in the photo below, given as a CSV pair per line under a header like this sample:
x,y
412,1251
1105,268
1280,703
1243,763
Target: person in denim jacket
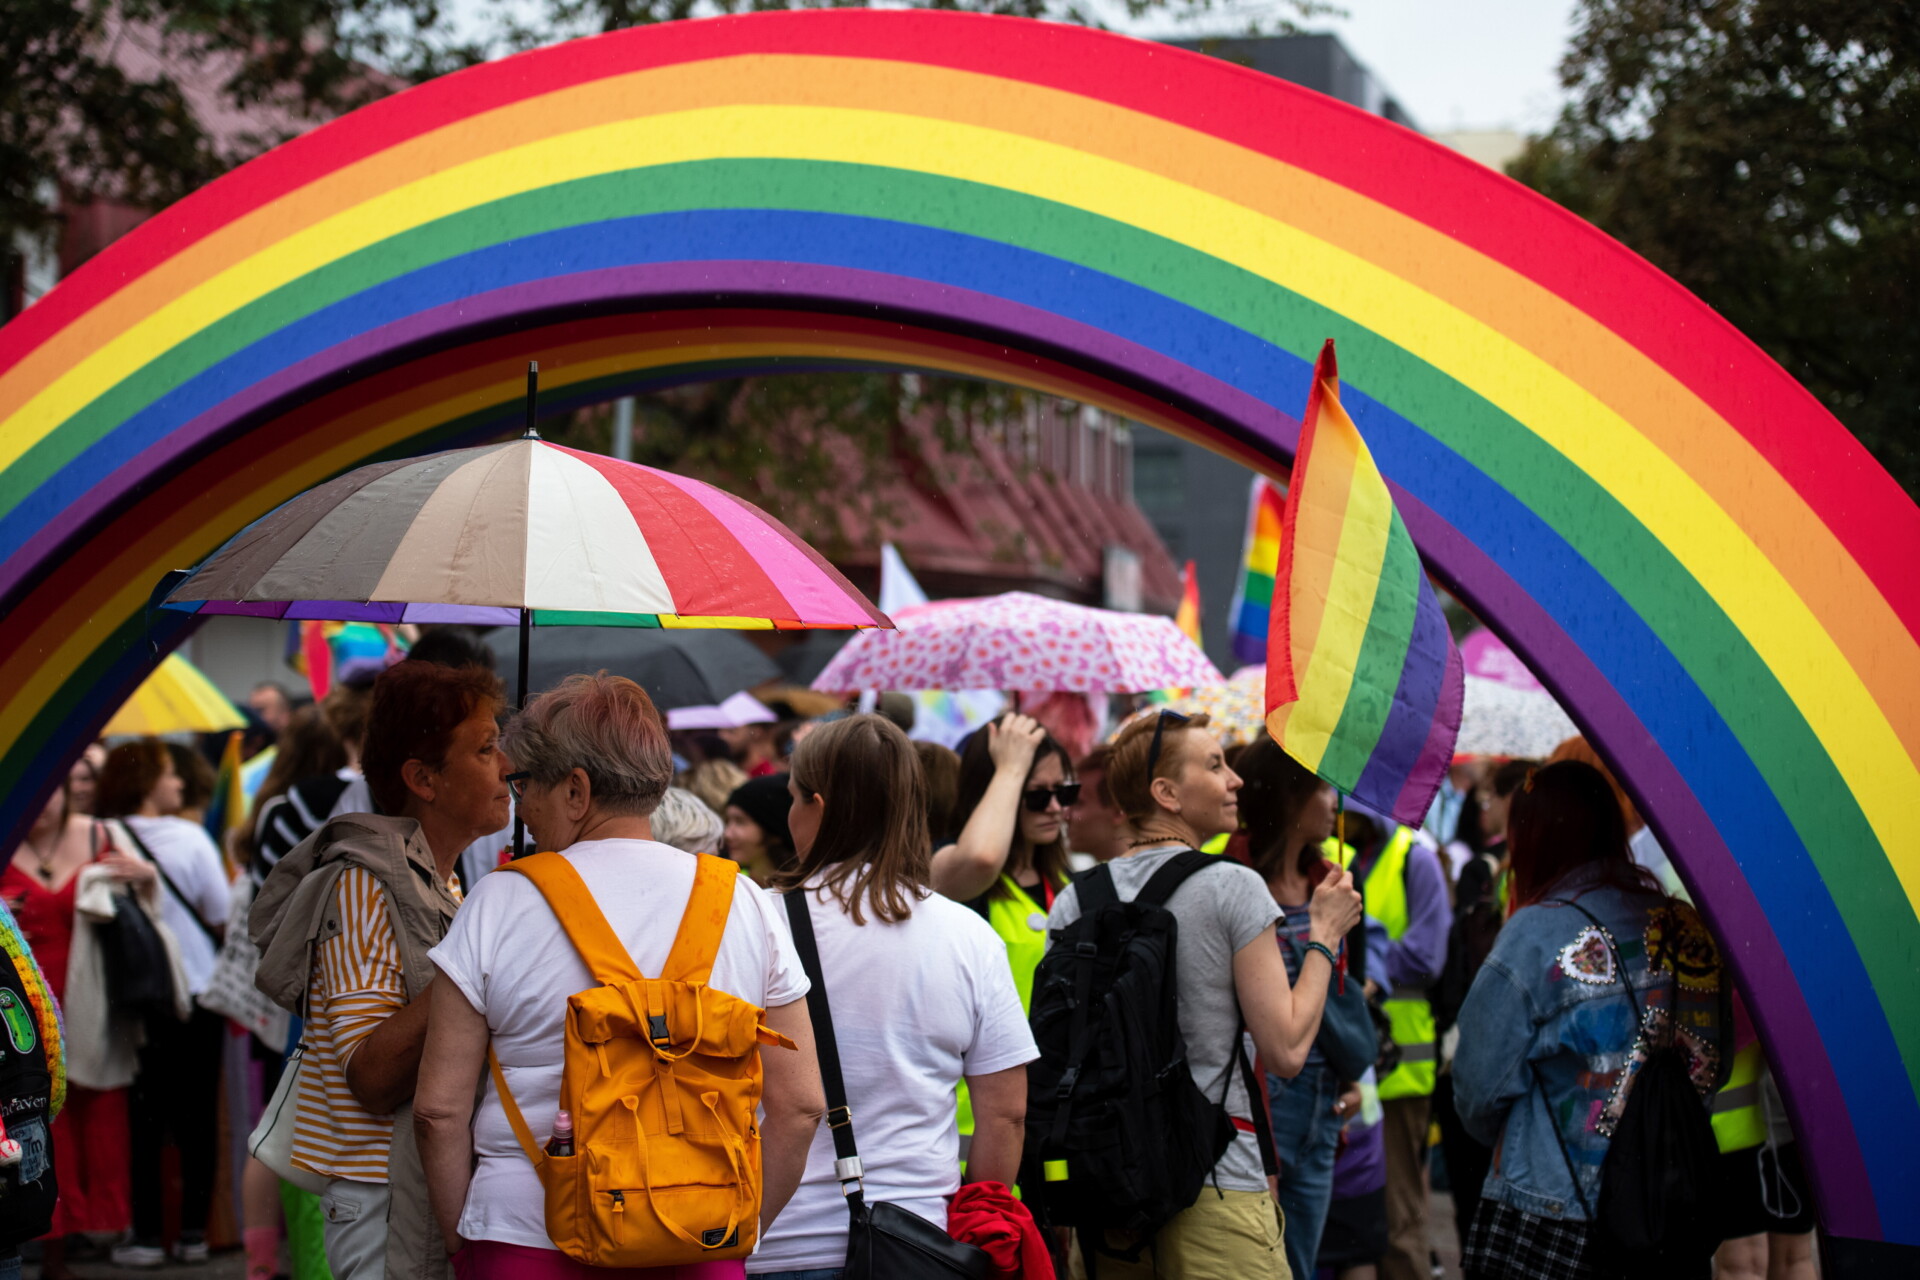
x,y
1548,1045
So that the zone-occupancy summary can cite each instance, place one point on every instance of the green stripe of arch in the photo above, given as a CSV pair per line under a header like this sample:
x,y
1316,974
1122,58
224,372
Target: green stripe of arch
x,y
1383,653
1692,626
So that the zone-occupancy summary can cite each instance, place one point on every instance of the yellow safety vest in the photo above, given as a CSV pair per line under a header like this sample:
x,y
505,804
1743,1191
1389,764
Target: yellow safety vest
x,y
1022,925
1408,1011
1737,1119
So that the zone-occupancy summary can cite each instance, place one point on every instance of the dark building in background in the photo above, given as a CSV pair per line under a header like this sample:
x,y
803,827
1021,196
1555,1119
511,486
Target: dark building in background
x,y
1194,497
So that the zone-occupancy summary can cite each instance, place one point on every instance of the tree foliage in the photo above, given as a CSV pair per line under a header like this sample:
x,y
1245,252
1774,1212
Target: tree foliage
x,y
1766,154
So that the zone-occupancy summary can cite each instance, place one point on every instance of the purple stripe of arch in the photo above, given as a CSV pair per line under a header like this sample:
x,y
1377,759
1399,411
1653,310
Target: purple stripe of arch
x,y
739,282
1527,627
1792,1040
1399,777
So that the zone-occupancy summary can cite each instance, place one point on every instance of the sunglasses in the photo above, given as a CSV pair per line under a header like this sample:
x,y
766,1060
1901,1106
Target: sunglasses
x,y
517,783
1038,798
1159,728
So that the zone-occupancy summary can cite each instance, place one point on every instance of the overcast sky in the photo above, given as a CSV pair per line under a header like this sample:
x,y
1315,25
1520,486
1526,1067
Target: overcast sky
x,y
1454,64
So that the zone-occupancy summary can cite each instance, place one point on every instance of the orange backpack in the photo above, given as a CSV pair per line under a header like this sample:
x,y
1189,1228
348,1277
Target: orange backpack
x,y
662,1078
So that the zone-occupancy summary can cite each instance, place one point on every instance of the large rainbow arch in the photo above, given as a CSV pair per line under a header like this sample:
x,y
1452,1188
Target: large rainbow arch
x,y
1705,566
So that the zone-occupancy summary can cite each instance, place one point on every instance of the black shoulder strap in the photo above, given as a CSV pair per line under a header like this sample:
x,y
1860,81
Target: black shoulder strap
x,y
1257,1103
847,1169
167,880
1157,890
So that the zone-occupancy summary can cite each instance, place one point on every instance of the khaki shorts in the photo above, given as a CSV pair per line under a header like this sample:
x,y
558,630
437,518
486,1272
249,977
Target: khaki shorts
x,y
1225,1235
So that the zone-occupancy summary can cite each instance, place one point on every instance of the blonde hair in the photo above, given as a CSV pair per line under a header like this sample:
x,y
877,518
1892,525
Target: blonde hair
x,y
1128,779
713,781
684,821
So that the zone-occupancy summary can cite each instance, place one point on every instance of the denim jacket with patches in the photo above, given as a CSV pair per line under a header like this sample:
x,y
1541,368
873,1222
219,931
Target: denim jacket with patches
x,y
1547,1035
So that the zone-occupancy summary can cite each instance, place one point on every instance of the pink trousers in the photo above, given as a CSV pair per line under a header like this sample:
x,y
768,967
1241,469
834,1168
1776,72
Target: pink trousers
x,y
492,1260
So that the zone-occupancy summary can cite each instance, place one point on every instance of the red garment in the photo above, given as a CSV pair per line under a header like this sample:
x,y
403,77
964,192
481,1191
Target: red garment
x,y
93,1158
495,1260
765,769
46,921
986,1216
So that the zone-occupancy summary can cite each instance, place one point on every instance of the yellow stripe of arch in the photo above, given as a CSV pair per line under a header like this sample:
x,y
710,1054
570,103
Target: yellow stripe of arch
x,y
1810,666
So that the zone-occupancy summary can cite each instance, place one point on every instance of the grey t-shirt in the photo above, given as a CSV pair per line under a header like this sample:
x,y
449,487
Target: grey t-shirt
x,y
1220,910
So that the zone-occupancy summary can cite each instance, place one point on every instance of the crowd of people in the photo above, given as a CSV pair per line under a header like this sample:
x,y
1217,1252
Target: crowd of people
x,y
856,925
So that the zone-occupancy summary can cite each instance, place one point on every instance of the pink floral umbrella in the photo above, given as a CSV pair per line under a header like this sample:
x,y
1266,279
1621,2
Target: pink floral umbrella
x,y
1020,641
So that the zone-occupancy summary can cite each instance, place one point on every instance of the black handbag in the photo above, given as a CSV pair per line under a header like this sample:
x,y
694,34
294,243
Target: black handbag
x,y
884,1241
139,972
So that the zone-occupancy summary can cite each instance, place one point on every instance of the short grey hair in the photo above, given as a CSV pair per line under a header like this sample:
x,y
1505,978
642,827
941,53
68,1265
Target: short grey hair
x,y
684,821
605,725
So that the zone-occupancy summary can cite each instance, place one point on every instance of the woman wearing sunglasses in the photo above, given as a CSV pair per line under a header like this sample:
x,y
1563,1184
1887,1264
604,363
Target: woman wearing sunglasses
x,y
1009,859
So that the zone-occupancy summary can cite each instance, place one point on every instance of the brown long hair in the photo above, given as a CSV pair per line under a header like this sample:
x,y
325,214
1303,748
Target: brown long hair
x,y
1274,788
307,749
1565,817
873,845
1050,861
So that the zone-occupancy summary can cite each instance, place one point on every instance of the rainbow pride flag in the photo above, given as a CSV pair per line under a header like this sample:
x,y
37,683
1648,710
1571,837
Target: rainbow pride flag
x,y
1259,558
1364,683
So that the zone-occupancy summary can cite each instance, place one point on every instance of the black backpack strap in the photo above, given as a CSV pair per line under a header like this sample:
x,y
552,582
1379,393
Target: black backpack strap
x,y
1095,890
1157,890
847,1169
1257,1103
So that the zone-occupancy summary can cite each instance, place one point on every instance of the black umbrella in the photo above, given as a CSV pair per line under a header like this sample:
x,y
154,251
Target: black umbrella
x,y
676,668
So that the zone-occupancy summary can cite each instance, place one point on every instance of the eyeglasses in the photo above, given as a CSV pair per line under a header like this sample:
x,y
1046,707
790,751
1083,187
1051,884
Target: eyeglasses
x,y
1038,798
517,783
1160,727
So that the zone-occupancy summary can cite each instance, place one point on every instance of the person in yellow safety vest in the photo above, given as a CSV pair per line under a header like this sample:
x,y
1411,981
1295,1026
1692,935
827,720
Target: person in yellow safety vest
x,y
1010,856
1769,1208
1406,892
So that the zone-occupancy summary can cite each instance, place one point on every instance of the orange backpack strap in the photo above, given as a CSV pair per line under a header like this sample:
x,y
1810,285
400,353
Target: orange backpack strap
x,y
512,1108
698,941
607,957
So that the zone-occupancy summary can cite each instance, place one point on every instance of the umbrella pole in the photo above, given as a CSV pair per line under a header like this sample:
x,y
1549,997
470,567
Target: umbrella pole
x,y
526,615
520,702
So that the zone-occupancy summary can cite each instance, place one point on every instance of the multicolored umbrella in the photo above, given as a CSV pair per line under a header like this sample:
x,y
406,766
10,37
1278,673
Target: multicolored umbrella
x,y
176,698
1236,710
1020,641
479,535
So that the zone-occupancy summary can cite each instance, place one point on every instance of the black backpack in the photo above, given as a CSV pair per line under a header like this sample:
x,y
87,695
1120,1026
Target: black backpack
x,y
1118,1135
1659,1211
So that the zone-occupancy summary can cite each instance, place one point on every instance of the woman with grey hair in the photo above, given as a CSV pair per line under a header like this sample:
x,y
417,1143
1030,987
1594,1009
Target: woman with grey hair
x,y
685,822
593,765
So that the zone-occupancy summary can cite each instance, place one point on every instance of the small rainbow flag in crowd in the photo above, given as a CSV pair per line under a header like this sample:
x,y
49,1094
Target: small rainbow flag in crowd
x,y
1253,595
1364,683
227,810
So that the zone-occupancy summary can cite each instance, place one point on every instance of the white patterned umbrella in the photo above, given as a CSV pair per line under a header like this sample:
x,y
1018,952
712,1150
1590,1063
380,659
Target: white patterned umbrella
x,y
1505,711
1020,641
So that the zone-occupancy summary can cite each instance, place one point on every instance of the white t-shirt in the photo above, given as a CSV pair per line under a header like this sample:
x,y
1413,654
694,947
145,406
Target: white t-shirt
x,y
916,1006
192,862
507,952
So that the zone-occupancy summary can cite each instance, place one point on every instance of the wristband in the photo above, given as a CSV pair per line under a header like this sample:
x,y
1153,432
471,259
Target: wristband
x,y
1324,950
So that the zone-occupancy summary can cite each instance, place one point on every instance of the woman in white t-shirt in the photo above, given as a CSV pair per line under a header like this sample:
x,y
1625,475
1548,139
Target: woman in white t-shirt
x,y
594,762
920,993
176,1091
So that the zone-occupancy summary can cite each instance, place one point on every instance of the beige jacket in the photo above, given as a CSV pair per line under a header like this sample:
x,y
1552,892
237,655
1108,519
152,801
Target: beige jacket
x,y
297,909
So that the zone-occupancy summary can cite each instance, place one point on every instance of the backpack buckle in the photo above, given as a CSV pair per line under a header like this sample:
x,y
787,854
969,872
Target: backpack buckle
x,y
1086,950
1068,1078
657,1030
